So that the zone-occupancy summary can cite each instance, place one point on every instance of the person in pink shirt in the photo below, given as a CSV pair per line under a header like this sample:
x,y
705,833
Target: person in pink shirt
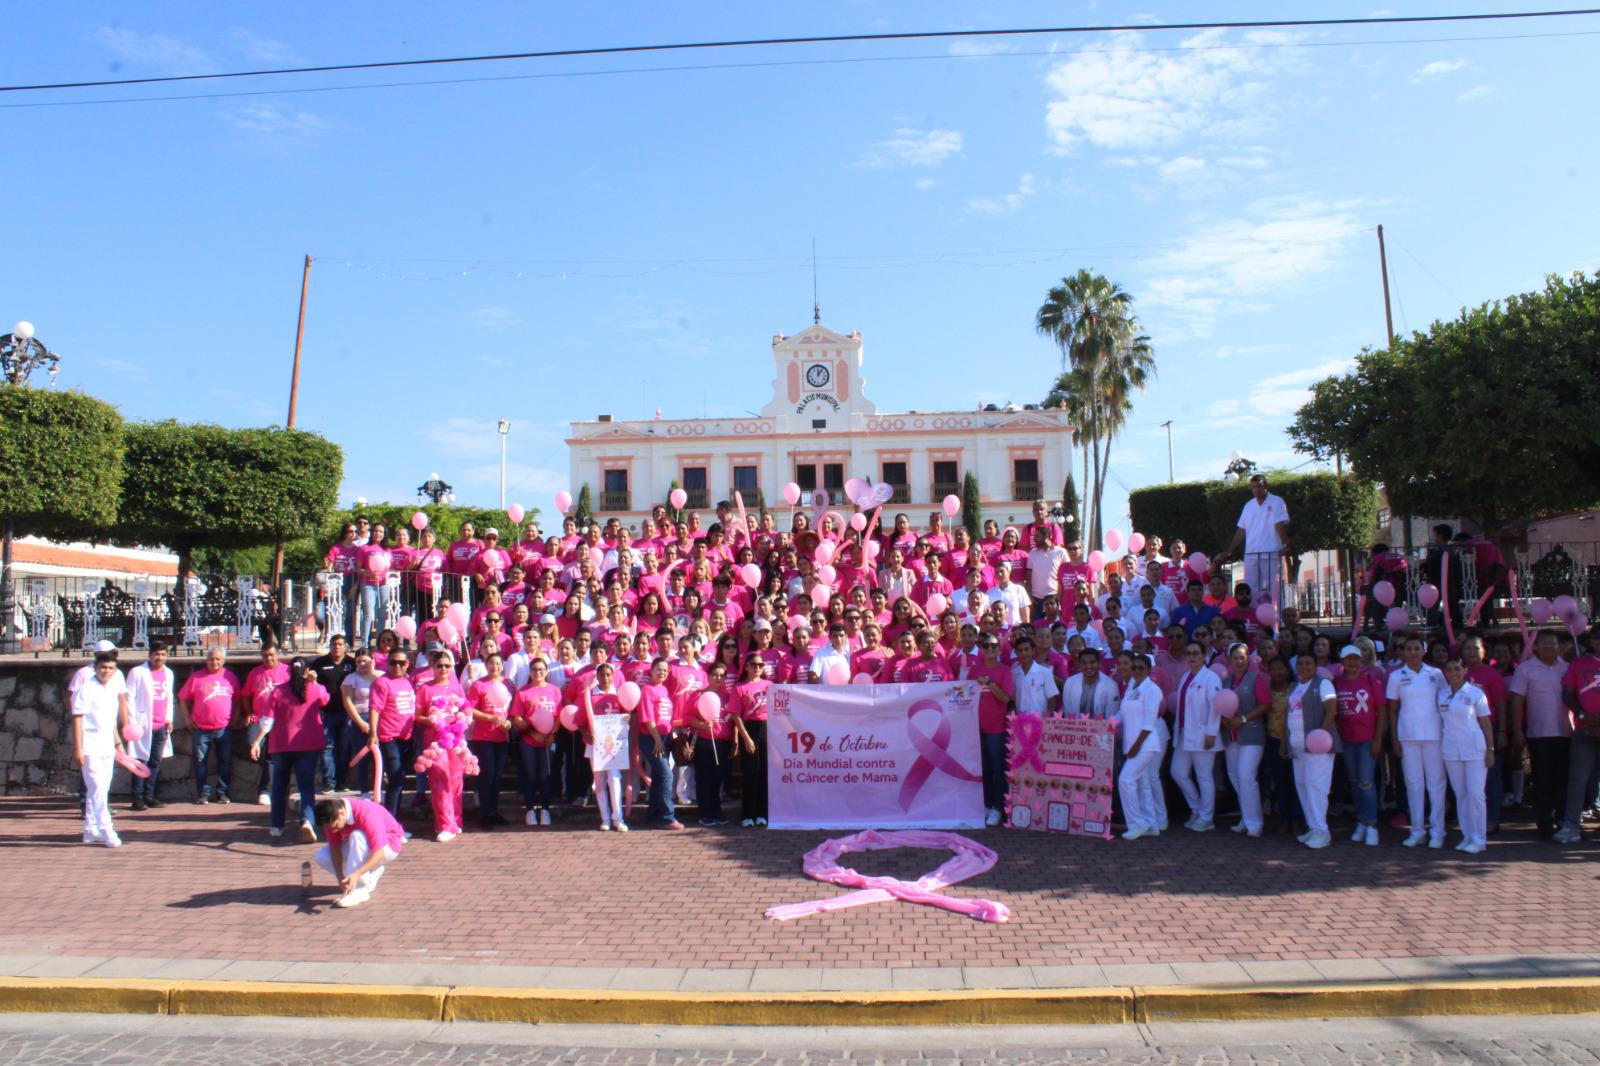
x,y
425,563
656,720
748,701
295,744
341,559
255,699
208,697
1361,698
995,703
363,839
490,700
442,711
1041,521
492,563
373,563
929,665
463,551
536,710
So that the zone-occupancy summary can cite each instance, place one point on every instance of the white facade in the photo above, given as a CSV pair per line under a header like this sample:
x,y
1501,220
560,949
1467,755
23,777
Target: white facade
x,y
819,429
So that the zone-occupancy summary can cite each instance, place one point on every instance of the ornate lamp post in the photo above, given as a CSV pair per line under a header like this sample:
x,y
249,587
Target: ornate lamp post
x,y
20,355
436,490
1238,467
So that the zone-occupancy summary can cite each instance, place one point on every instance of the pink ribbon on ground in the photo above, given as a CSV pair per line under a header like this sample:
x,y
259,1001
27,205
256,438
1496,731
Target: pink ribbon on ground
x,y
933,753
969,860
1029,730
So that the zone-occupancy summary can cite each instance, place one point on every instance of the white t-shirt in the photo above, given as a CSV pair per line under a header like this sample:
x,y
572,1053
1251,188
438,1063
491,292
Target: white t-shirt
x,y
1259,522
1033,690
1140,711
97,705
1044,567
1460,711
1418,692
359,689
1015,597
85,674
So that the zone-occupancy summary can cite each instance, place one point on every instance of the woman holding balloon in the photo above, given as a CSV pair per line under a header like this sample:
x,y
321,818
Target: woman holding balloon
x,y
713,732
1311,740
1244,702
749,713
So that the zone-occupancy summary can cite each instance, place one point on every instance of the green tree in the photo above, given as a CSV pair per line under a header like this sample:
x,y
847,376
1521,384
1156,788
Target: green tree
x,y
61,468
1090,319
971,506
1071,394
1326,511
673,513
1493,415
207,486
1070,504
583,511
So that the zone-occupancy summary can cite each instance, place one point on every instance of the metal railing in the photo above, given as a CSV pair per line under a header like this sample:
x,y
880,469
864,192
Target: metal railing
x,y
616,501
902,493
699,499
1027,490
941,489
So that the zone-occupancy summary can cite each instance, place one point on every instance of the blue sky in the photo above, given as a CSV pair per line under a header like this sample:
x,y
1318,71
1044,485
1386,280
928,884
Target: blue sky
x,y
550,248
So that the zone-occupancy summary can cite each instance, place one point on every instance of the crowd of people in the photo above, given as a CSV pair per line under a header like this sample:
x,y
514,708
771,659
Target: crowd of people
x,y
525,648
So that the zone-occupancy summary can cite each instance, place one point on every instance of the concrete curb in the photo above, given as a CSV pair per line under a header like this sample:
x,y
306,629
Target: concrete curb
x,y
1068,1006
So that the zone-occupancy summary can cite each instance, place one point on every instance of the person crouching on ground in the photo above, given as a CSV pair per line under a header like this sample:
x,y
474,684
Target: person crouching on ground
x,y
363,838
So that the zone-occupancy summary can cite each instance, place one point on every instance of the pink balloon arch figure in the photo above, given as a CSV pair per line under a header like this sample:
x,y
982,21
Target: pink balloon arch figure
x,y
1319,742
563,501
854,489
677,497
1397,619
952,505
1383,592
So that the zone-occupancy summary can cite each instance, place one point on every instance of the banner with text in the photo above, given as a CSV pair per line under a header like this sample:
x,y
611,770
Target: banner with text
x,y
874,756
1060,779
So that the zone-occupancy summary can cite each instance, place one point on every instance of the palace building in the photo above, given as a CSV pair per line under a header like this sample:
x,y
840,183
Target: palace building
x,y
818,430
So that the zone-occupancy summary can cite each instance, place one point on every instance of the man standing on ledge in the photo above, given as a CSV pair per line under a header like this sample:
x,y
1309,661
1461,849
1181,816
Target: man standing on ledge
x,y
1263,528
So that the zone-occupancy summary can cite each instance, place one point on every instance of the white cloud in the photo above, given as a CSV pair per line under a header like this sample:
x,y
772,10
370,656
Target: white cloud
x,y
1476,93
1117,98
1438,69
969,46
156,50
278,121
534,484
1271,401
926,183
913,148
1027,185
1183,168
118,366
1231,263
491,317
262,49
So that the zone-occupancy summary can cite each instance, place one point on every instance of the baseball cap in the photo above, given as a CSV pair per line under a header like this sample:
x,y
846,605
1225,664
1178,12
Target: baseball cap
x,y
1349,649
491,532
104,645
547,619
762,623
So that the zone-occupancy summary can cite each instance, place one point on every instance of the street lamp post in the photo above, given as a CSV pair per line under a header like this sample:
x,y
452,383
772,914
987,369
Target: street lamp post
x,y
1238,467
20,355
505,431
436,490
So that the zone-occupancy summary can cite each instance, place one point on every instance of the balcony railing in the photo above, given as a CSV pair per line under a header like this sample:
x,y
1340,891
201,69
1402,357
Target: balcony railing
x,y
902,494
1027,490
699,499
941,489
616,501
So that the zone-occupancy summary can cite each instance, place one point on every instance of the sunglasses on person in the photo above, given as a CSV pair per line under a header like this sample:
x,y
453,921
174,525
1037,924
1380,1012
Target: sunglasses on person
x,y
402,661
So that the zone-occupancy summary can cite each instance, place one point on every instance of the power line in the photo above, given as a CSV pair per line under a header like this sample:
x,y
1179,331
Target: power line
x,y
923,35
763,64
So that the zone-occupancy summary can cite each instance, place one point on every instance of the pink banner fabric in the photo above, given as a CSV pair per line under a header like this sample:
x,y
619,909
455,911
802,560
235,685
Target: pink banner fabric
x,y
969,860
1060,776
874,756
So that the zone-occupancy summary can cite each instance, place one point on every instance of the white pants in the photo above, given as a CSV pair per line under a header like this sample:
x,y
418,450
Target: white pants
x,y
1197,767
1263,572
1313,777
1134,786
683,783
1466,781
97,771
608,795
357,849
1155,789
1244,766
1424,768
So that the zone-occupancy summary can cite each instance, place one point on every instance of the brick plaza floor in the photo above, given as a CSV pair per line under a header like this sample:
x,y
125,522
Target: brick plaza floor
x,y
208,883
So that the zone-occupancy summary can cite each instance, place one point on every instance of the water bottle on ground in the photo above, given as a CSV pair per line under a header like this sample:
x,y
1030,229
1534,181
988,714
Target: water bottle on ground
x,y
305,879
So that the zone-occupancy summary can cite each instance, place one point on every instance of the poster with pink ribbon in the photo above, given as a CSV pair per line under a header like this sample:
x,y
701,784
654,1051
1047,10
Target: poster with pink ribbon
x,y
874,756
1060,774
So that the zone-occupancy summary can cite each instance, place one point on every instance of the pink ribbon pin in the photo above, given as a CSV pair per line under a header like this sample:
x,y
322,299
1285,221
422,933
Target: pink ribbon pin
x,y
933,752
970,860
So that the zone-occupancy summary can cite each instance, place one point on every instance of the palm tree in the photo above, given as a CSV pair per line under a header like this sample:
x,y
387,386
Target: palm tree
x,y
1071,394
1104,360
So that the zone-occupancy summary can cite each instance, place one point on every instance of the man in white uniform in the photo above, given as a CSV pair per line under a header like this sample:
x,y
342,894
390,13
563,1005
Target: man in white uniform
x,y
1263,529
1414,722
99,713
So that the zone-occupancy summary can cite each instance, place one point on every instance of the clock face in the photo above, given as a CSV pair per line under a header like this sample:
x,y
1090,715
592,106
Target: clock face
x,y
817,375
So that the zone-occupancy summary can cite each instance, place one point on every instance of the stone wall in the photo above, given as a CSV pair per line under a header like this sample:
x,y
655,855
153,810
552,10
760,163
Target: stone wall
x,y
36,734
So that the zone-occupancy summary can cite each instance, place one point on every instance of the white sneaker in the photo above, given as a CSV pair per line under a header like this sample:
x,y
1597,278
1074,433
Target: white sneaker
x,y
1252,833
90,837
1413,840
1359,835
748,823
1162,825
1190,823
1241,828
354,898
1436,843
604,827
622,827
1134,833
111,840
445,837
531,818
544,816
1202,826
992,819
308,832
1303,837
264,800
1372,836
1474,848
275,833
761,823
1319,840
1462,844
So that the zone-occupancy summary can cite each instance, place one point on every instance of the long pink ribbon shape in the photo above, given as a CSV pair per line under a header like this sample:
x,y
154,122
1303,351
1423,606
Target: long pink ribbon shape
x,y
969,860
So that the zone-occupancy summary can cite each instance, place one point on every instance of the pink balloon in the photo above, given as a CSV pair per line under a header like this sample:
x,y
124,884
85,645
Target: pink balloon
x,y
1319,742
569,717
838,672
750,574
543,720
881,494
1383,592
862,679
1226,702
1113,539
820,499
710,706
1136,542
1397,619
827,574
1198,563
952,505
871,549
1565,606
855,488
820,595
1578,623
858,522
448,633
131,732
677,497
1097,559
825,551
791,494
405,627
419,521
1541,611
936,605
563,501
1266,615
515,513
458,615
1427,595
1220,668
628,695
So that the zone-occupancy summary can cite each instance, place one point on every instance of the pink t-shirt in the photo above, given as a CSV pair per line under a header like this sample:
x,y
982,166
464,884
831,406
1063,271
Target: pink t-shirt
x,y
372,563
210,697
992,711
531,699
921,670
259,685
655,705
489,697
1359,703
342,558
749,700
160,699
393,705
297,725
379,826
425,562
459,558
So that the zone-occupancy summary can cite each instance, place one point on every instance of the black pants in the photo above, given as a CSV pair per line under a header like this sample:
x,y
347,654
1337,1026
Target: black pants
x,y
710,762
1549,756
753,774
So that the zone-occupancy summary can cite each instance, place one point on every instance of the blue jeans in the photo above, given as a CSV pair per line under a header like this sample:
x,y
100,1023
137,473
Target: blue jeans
x,y
145,787
395,755
1361,767
366,614
203,740
336,727
537,781
656,754
491,768
303,764
994,770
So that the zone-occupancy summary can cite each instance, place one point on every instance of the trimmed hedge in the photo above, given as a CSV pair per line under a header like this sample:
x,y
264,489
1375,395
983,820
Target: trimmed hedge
x,y
61,462
1325,510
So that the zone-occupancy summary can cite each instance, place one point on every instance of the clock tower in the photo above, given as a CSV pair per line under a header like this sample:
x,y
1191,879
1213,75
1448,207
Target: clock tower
x,y
818,384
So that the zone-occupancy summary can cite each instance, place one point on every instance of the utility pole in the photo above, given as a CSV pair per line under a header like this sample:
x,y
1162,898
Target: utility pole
x,y
294,395
1167,425
1383,265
